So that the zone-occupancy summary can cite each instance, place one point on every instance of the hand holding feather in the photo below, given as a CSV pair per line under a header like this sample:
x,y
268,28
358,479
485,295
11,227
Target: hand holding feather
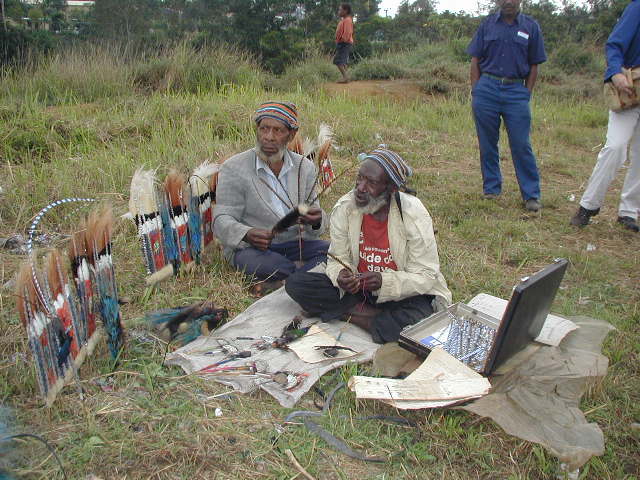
x,y
291,218
312,217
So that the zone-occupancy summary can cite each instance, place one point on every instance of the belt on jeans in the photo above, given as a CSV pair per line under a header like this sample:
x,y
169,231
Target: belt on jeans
x,y
504,79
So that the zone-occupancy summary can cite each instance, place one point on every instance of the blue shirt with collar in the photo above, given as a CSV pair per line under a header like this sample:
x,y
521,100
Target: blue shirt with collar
x,y
508,50
623,45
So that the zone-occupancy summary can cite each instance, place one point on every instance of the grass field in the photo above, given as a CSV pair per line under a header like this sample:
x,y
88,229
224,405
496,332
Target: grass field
x,y
80,124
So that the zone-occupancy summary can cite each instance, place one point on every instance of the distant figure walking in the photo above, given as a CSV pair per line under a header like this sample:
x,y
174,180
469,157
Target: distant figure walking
x,y
623,51
506,51
344,41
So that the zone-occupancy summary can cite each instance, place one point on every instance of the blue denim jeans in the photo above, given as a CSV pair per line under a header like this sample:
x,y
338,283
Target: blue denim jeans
x,y
277,263
492,102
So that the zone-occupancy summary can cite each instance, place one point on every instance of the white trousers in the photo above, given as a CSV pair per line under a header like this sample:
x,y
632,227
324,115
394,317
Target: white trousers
x,y
623,131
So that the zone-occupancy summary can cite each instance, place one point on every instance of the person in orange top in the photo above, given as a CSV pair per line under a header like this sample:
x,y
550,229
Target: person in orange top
x,y
344,41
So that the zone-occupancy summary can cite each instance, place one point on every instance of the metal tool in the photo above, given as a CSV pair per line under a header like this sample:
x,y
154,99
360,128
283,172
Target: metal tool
x,y
231,358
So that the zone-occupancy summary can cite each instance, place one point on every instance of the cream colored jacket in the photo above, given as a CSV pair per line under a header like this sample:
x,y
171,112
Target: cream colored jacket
x,y
411,242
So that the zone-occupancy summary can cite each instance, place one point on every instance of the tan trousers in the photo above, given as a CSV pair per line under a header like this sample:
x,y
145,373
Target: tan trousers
x,y
623,134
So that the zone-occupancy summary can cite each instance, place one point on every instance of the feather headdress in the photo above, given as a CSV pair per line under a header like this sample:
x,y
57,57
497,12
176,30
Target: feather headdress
x,y
177,199
80,269
58,313
144,207
202,183
325,168
99,228
33,315
296,144
62,303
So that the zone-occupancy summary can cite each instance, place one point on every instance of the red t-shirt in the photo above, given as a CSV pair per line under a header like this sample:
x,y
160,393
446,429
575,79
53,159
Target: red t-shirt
x,y
375,254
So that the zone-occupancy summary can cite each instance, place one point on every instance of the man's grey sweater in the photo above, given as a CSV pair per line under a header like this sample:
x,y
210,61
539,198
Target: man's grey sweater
x,y
243,201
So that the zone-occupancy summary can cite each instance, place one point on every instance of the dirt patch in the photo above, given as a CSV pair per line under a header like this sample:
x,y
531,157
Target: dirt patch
x,y
402,89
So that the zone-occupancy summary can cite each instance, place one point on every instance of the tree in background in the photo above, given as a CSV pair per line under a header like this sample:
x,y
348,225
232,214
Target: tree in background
x,y
128,21
412,17
279,32
54,12
4,18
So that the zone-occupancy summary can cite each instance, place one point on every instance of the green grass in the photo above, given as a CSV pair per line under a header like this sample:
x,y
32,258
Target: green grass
x,y
84,134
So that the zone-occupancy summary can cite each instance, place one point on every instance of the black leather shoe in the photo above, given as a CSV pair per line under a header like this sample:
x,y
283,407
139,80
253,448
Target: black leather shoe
x,y
629,223
583,217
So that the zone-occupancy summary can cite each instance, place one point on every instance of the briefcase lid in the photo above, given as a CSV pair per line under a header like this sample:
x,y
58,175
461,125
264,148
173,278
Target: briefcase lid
x,y
526,312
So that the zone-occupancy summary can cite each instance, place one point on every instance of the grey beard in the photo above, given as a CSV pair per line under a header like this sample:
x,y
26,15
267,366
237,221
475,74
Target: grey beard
x,y
375,204
270,159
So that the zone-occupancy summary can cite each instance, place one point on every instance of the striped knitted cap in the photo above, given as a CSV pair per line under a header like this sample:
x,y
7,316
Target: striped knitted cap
x,y
284,111
397,169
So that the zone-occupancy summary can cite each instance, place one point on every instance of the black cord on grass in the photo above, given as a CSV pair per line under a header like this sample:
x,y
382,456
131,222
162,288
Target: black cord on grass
x,y
46,444
333,441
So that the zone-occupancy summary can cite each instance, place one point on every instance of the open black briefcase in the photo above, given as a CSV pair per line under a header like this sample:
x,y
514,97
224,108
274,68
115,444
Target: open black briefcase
x,y
481,341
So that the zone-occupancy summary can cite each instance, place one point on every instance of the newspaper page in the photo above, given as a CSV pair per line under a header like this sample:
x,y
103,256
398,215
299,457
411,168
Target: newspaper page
x,y
441,378
305,347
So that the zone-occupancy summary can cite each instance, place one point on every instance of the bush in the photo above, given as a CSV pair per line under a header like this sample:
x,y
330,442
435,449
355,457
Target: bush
x,y
458,48
434,86
379,69
313,71
183,68
574,58
89,73
17,44
74,75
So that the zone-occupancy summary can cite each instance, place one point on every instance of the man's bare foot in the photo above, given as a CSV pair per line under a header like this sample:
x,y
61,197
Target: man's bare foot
x,y
344,80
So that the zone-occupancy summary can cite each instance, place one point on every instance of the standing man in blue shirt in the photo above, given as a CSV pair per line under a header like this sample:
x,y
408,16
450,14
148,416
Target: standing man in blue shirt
x,y
622,50
506,51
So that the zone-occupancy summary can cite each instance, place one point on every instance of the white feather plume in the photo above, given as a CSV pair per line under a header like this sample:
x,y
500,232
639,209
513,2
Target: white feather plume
x,y
325,132
308,146
142,199
199,180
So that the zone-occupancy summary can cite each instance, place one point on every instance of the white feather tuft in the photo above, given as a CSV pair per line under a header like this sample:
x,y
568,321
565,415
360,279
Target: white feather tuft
x,y
199,180
325,133
142,199
308,146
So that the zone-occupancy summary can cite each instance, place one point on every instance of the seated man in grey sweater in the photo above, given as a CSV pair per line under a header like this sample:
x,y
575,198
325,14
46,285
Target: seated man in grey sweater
x,y
259,187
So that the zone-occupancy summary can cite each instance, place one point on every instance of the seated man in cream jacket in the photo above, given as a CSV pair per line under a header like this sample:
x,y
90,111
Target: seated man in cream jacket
x,y
383,271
